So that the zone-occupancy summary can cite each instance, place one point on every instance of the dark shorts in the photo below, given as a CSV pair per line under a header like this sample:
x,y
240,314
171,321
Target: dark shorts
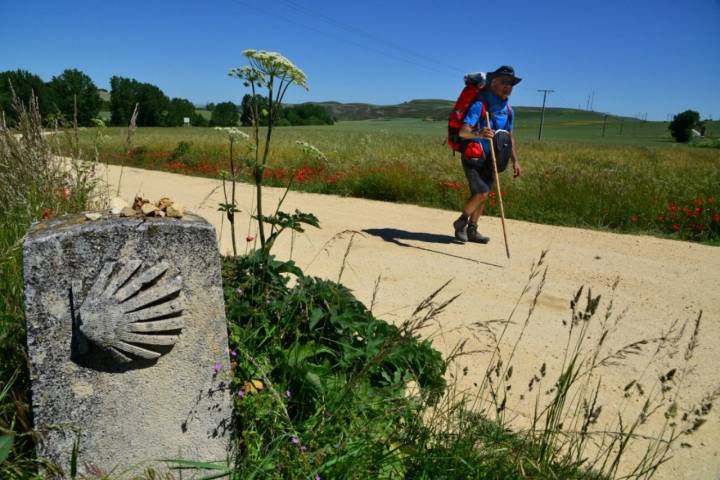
x,y
479,173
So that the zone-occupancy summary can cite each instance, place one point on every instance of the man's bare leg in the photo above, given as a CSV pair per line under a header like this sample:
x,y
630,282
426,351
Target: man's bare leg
x,y
478,202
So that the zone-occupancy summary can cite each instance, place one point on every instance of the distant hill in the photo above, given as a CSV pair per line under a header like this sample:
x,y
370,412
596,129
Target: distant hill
x,y
433,109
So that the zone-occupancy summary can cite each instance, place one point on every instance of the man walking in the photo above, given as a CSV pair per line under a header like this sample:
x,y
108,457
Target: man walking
x,y
476,156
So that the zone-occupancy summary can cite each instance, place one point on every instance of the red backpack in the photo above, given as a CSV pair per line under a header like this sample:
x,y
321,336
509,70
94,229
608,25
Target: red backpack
x,y
475,85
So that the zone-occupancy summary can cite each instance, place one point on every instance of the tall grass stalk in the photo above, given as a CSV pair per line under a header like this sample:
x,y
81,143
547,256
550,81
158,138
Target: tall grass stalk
x,y
34,184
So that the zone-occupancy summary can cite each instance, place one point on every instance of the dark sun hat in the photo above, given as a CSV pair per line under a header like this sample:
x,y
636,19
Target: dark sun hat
x,y
506,71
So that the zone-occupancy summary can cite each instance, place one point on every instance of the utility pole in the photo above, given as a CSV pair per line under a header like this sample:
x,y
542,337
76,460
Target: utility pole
x,y
604,123
542,113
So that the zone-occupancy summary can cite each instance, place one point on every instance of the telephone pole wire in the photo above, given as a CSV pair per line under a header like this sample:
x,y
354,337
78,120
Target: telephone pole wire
x,y
542,113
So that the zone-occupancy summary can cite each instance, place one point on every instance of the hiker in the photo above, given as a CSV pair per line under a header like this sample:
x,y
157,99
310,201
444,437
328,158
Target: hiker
x,y
476,157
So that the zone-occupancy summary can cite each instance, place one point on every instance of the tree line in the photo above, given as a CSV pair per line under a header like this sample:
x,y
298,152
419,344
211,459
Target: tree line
x,y
74,93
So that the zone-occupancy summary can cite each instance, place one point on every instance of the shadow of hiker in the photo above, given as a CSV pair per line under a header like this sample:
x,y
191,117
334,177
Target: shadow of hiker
x,y
394,235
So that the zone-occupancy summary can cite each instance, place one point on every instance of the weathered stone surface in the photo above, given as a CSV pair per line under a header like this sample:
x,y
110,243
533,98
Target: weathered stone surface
x,y
126,324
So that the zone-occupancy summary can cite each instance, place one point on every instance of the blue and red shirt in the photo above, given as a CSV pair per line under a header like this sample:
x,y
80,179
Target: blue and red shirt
x,y
501,117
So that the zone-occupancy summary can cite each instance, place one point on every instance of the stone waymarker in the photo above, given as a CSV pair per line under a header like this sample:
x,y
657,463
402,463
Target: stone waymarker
x,y
127,341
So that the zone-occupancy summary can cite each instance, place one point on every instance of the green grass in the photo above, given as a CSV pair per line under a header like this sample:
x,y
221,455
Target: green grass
x,y
337,392
639,182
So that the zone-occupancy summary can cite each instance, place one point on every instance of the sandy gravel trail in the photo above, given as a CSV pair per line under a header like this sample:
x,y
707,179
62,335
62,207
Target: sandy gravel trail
x,y
411,249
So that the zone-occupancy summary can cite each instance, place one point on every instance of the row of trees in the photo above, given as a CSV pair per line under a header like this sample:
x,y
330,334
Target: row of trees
x,y
56,98
304,114
59,97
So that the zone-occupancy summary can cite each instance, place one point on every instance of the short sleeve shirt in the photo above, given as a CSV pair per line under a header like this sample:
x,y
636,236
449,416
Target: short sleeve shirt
x,y
500,116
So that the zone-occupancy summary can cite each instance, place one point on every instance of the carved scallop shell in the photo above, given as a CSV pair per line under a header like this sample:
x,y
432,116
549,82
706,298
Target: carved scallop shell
x,y
130,310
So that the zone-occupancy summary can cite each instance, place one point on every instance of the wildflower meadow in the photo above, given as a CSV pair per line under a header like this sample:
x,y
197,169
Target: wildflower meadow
x,y
606,185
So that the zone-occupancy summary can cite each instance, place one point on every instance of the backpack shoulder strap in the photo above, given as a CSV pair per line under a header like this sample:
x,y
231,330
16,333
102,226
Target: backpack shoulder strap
x,y
481,97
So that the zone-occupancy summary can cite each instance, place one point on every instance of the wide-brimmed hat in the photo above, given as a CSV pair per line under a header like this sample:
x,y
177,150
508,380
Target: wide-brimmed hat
x,y
506,71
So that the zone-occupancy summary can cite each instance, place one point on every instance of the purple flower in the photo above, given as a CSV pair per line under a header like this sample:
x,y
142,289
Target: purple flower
x,y
295,440
241,393
216,368
317,477
233,353
239,291
288,394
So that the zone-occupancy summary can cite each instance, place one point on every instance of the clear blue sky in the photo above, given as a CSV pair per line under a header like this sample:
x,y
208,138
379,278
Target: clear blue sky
x,y
638,56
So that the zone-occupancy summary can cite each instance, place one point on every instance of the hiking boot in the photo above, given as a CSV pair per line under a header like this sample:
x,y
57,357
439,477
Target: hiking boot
x,y
460,225
474,236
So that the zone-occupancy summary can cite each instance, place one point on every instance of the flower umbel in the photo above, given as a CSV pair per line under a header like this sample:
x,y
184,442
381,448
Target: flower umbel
x,y
233,133
264,66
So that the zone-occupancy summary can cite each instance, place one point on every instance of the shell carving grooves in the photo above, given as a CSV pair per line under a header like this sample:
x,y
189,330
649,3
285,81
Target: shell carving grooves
x,y
129,310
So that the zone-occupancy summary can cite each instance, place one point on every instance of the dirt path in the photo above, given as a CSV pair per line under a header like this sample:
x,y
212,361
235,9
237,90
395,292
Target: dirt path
x,y
411,249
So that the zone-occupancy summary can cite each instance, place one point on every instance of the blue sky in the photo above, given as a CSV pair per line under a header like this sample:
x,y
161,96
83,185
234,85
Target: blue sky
x,y
638,56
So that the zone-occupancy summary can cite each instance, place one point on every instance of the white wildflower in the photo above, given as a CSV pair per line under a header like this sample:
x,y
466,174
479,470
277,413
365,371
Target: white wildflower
x,y
234,133
266,65
311,150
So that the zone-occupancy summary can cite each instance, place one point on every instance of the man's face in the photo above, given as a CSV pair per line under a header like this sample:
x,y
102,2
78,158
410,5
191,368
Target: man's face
x,y
502,86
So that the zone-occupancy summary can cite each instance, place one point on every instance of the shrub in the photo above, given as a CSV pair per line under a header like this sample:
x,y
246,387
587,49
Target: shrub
x,y
181,154
682,125
225,114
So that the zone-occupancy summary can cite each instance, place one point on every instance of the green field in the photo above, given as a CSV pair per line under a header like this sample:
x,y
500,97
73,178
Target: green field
x,y
640,181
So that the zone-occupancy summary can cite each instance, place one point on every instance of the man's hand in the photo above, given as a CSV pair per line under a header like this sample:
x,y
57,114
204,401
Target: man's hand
x,y
486,133
517,171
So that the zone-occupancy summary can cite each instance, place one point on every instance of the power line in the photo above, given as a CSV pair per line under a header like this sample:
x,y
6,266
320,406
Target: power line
x,y
363,33
336,37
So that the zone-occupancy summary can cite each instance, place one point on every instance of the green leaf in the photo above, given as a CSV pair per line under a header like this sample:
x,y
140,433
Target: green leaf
x,y
315,317
6,444
74,458
314,380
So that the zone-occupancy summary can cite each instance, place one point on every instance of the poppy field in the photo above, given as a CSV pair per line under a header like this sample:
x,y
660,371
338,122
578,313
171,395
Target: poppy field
x,y
643,184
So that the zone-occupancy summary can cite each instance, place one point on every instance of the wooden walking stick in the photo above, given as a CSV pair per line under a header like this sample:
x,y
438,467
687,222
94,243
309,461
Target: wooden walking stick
x,y
497,182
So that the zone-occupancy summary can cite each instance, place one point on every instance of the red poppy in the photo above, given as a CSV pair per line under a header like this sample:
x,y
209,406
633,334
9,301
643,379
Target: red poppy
x,y
676,226
47,214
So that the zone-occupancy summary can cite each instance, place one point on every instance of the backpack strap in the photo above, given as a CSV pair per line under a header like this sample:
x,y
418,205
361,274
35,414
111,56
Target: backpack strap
x,y
483,101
